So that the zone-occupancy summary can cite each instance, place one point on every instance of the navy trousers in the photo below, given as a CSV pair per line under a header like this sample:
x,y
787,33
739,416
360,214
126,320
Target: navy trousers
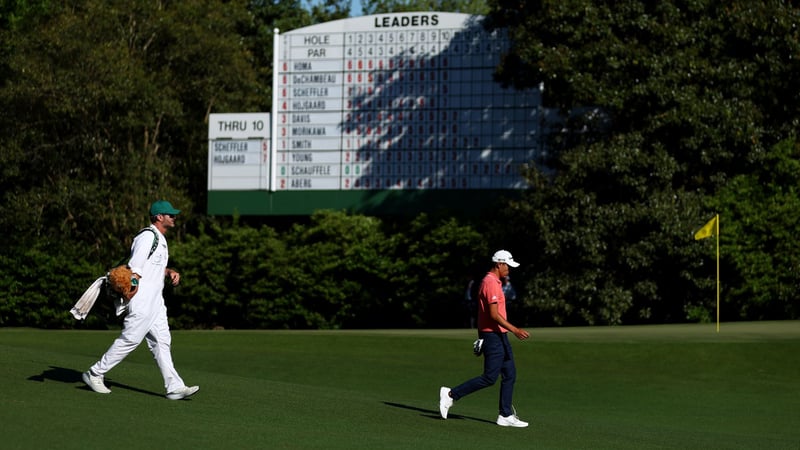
x,y
498,359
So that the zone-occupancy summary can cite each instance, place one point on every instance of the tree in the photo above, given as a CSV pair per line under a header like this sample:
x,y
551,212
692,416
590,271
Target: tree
x,y
699,78
760,212
477,7
338,271
661,105
107,107
330,10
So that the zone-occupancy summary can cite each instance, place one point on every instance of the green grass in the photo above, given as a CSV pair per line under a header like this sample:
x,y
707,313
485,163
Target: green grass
x,y
678,387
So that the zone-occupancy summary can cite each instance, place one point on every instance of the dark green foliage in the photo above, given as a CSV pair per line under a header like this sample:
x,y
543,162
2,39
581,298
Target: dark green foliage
x,y
760,216
478,7
599,258
433,257
225,273
108,106
39,288
670,112
339,271
686,97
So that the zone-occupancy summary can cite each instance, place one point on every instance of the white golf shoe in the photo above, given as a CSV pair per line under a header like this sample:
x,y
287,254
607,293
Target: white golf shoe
x,y
511,421
95,383
184,392
445,401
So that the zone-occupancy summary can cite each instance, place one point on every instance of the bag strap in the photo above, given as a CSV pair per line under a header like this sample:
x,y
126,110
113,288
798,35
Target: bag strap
x,y
152,247
155,240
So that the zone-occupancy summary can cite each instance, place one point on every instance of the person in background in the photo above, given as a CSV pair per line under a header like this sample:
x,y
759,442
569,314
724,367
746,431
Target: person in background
x,y
147,314
508,290
471,304
498,359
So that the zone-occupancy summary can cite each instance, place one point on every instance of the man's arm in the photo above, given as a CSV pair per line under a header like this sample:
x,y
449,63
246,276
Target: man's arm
x,y
140,249
518,332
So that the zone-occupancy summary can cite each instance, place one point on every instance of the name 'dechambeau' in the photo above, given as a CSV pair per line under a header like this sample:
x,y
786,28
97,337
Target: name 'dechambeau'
x,y
317,78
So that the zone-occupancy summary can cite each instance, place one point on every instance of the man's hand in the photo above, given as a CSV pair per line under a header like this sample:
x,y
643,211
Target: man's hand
x,y
495,315
521,334
174,276
123,281
130,294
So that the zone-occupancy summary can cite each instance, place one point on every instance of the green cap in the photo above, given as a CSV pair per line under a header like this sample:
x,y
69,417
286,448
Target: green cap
x,y
163,207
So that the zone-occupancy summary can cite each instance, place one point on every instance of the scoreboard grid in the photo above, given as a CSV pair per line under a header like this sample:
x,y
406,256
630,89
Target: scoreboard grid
x,y
408,108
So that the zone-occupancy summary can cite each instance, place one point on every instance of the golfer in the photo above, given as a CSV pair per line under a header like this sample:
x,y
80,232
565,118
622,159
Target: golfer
x,y
147,314
498,358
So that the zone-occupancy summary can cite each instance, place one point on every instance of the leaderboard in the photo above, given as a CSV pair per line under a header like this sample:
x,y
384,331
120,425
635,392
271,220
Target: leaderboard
x,y
398,102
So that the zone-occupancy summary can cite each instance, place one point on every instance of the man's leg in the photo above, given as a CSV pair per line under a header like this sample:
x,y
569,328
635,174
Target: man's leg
x,y
133,331
159,341
509,373
493,354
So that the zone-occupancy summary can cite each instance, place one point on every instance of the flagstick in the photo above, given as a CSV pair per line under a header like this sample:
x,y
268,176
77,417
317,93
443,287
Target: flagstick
x,y
717,233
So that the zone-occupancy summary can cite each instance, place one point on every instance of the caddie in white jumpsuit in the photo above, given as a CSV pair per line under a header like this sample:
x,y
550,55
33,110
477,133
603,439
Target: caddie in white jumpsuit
x,y
147,314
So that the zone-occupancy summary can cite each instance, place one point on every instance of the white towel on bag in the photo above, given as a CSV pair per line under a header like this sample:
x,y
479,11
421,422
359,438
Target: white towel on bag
x,y
85,303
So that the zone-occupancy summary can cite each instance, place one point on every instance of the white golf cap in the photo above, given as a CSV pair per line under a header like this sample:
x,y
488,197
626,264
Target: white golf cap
x,y
502,256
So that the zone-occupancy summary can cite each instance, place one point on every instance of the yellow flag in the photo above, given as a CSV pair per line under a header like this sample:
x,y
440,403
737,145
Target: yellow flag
x,y
708,230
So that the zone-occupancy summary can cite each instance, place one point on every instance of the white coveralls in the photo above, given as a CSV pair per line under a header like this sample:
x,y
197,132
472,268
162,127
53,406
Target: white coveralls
x,y
147,314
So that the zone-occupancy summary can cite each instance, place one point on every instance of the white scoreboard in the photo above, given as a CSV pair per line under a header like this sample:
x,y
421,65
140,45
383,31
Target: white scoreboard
x,y
238,151
378,113
400,102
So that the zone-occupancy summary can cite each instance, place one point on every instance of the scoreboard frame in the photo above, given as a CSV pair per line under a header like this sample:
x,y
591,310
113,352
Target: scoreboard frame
x,y
390,113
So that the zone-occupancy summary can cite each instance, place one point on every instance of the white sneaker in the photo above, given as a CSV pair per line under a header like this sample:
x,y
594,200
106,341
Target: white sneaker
x,y
184,392
95,383
511,421
445,401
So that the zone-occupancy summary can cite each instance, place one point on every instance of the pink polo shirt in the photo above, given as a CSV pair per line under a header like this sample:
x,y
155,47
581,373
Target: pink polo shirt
x,y
491,291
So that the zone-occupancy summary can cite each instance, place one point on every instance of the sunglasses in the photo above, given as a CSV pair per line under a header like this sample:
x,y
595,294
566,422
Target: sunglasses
x,y
171,216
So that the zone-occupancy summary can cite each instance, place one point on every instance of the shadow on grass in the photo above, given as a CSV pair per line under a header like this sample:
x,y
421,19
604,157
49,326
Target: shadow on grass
x,y
70,376
434,414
